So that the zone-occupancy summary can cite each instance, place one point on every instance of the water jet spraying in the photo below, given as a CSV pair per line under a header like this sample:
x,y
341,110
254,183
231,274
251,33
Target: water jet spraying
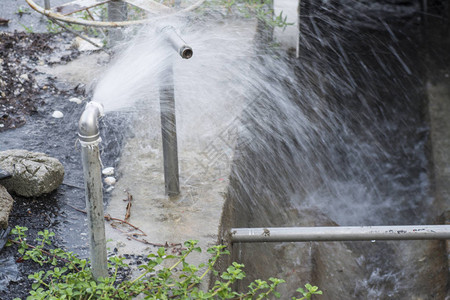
x,y
89,137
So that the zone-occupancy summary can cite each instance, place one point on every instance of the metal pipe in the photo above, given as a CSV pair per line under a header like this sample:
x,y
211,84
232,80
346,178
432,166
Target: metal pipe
x,y
338,233
169,132
89,137
117,11
177,42
168,117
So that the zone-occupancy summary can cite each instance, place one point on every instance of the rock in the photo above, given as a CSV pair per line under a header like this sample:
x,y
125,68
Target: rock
x,y
110,181
83,45
33,173
108,171
57,114
6,204
76,100
24,77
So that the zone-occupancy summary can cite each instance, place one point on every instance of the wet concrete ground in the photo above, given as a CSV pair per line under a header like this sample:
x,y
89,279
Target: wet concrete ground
x,y
205,143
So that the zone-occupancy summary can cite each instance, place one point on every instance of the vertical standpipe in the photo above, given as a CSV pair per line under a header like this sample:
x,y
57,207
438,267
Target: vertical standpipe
x,y
89,137
168,119
117,11
169,132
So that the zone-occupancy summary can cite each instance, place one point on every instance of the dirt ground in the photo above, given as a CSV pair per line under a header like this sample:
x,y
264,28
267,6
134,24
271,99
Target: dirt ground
x,y
20,91
28,96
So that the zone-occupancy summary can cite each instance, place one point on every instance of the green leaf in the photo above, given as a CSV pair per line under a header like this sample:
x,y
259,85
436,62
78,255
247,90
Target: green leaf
x,y
35,285
72,278
161,251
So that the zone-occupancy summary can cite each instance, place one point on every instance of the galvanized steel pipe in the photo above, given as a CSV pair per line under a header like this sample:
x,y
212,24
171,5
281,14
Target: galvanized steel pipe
x,y
89,137
117,12
169,133
340,233
168,117
177,42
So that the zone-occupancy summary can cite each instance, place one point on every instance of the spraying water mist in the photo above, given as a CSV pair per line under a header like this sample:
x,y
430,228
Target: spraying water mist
x,y
337,137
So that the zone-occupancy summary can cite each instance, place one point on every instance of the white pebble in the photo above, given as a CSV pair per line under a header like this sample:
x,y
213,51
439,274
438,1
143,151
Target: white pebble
x,y
76,100
108,171
24,77
57,114
110,180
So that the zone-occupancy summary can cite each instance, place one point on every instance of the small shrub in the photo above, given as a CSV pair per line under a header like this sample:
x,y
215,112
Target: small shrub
x,y
70,277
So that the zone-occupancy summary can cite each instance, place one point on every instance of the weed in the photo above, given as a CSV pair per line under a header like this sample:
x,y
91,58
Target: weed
x,y
71,278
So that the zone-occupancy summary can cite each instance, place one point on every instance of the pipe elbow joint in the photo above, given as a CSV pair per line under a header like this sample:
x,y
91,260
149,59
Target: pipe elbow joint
x,y
88,129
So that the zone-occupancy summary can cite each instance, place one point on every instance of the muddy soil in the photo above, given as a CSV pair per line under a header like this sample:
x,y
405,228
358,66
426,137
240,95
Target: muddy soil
x,y
20,93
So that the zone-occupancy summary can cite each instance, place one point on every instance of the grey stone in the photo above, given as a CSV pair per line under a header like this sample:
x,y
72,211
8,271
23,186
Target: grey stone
x,y
33,173
6,204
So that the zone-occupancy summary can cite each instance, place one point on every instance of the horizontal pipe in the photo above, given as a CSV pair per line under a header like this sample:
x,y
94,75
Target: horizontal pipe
x,y
177,42
339,233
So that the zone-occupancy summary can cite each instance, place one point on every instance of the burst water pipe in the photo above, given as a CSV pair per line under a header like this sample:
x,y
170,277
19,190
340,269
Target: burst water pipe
x,y
89,137
168,119
178,44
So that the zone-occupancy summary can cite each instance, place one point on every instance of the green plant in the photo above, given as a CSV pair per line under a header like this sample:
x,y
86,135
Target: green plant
x,y
28,29
70,277
261,9
136,13
21,11
310,290
53,27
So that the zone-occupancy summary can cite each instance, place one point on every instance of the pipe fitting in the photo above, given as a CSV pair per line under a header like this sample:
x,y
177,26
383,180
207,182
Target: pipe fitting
x,y
88,130
177,42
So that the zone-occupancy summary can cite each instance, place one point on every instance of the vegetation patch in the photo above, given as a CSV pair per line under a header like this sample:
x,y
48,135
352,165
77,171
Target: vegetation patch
x,y
71,278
